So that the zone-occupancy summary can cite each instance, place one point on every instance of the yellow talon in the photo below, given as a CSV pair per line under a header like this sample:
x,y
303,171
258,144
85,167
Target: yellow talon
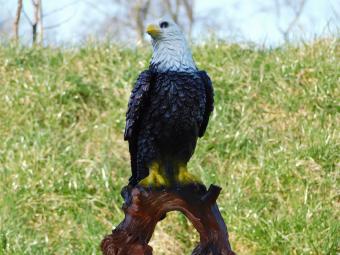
x,y
155,177
185,177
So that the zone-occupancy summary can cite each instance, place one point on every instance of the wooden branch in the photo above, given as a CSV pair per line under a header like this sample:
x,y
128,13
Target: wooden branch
x,y
41,25
140,12
189,8
36,21
59,9
293,22
285,32
59,23
143,209
27,17
173,10
17,21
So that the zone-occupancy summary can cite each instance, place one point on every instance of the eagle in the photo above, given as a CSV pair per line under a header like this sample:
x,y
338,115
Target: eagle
x,y
168,110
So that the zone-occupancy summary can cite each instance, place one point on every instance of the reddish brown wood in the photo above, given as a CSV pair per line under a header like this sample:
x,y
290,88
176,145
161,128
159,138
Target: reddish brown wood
x,y
143,208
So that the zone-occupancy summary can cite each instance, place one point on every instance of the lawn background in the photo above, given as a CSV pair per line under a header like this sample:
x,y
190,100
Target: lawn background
x,y
273,145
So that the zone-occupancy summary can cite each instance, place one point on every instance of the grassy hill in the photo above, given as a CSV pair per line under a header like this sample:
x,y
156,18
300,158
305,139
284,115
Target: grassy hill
x,y
273,144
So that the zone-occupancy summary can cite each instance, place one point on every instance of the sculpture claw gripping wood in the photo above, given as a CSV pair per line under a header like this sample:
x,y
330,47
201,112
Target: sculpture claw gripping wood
x,y
168,111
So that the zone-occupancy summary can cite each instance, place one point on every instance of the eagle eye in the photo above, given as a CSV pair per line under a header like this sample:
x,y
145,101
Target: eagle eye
x,y
164,24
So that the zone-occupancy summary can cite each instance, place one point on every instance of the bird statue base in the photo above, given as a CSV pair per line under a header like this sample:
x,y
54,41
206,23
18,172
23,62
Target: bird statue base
x,y
144,207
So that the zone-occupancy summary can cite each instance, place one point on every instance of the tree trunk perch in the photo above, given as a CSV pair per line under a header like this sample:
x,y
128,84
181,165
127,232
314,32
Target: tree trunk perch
x,y
143,209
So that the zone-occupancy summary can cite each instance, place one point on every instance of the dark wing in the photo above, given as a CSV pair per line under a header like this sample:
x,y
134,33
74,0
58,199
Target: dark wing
x,y
137,103
209,103
138,100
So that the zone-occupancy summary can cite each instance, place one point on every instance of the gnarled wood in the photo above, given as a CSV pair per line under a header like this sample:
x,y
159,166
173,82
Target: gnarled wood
x,y
143,208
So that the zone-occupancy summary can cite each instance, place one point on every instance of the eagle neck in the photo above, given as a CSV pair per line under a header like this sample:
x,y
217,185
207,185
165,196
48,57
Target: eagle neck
x,y
172,55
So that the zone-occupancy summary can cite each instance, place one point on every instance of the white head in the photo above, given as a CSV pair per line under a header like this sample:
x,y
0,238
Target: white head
x,y
170,48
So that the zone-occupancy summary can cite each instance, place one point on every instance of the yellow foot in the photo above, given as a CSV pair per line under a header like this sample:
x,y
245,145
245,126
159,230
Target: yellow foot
x,y
184,177
155,177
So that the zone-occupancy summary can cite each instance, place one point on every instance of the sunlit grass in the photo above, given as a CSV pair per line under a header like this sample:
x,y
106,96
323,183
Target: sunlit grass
x,y
273,145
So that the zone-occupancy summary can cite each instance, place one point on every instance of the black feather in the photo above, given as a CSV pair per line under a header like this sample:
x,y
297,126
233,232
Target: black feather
x,y
209,105
166,114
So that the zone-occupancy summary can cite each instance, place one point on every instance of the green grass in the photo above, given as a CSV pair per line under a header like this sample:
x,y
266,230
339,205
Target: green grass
x,y
273,145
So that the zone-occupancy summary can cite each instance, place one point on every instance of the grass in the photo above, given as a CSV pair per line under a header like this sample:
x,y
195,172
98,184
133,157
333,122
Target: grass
x,y
273,145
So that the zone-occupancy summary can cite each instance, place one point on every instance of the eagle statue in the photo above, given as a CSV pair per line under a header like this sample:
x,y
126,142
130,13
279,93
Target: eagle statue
x,y
168,111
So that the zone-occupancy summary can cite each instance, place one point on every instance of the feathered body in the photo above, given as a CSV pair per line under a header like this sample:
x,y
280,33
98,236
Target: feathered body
x,y
168,110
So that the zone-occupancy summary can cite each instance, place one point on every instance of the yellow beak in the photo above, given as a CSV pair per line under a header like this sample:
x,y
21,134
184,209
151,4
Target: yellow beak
x,y
153,30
